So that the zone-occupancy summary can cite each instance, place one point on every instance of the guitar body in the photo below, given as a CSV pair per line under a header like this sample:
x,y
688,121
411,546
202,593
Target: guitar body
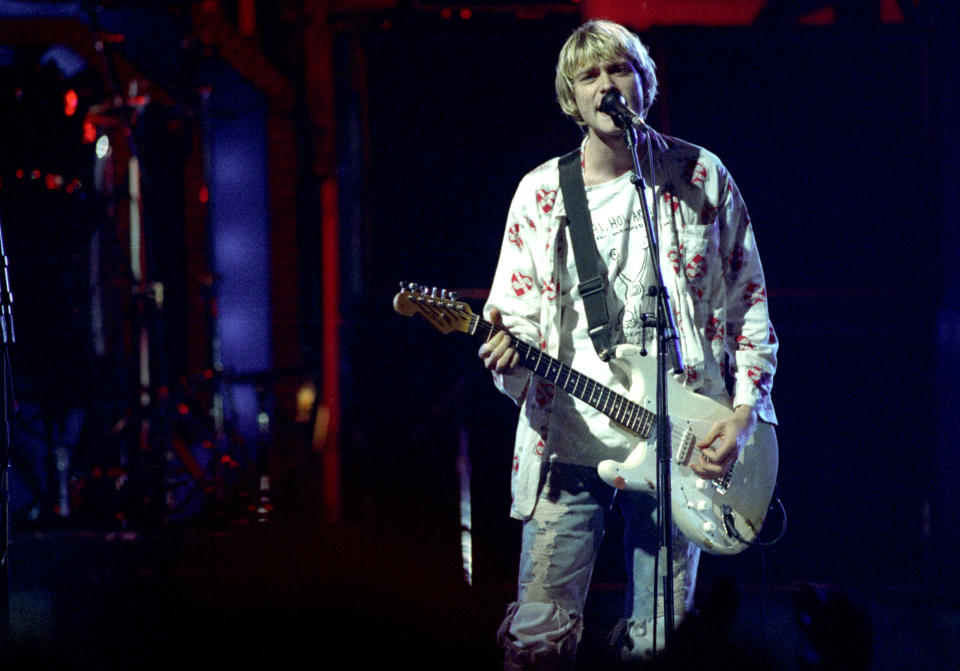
x,y
698,506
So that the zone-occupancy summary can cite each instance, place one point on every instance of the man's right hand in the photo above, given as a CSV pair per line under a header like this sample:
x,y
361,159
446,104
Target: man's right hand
x,y
499,353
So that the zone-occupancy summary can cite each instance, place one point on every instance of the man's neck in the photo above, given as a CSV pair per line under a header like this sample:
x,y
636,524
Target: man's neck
x,y
605,158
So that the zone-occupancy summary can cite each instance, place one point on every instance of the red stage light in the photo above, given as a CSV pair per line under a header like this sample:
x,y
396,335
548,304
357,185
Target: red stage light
x,y
70,102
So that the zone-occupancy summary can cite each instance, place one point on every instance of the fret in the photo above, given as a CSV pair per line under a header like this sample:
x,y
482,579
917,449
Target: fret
x,y
551,366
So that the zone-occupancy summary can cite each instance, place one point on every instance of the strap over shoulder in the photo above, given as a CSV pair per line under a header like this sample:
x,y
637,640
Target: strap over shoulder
x,y
585,253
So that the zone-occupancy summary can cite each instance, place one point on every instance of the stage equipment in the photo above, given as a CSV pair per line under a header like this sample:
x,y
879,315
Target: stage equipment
x,y
7,415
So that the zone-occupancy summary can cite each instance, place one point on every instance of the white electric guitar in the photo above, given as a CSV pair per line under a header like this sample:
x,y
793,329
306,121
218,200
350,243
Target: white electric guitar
x,y
720,516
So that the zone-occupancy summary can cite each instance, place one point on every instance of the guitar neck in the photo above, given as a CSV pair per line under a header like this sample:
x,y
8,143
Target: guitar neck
x,y
620,409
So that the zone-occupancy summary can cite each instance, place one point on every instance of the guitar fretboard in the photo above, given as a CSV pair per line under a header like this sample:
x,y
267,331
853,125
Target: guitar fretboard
x,y
617,407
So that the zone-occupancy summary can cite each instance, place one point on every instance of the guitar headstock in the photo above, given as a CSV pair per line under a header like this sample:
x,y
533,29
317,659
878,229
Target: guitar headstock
x,y
440,308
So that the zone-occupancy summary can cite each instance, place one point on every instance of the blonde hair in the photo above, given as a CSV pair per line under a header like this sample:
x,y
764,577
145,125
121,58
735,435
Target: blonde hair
x,y
595,42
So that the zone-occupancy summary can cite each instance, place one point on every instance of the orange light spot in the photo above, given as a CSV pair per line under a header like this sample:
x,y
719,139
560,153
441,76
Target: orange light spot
x,y
446,13
183,409
204,194
465,13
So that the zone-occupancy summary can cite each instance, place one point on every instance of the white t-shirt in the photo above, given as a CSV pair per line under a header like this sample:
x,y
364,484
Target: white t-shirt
x,y
621,237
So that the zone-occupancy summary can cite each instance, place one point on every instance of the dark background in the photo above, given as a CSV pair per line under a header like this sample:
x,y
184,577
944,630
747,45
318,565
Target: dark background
x,y
842,139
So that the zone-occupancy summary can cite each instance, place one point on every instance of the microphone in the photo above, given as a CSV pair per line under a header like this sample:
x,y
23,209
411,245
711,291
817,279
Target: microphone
x,y
614,105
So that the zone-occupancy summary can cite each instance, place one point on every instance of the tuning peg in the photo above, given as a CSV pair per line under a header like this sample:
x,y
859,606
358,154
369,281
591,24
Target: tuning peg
x,y
443,294
433,292
454,296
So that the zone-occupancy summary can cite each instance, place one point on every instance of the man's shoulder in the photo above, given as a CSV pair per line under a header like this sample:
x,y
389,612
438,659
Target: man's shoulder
x,y
545,177
546,170
681,151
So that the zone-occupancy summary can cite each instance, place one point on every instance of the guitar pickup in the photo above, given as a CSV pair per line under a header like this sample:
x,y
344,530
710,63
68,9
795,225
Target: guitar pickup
x,y
687,441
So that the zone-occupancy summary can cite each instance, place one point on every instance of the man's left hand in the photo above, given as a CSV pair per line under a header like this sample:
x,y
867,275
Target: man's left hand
x,y
721,445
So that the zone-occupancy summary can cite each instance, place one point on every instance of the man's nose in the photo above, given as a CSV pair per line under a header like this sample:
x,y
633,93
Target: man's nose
x,y
606,82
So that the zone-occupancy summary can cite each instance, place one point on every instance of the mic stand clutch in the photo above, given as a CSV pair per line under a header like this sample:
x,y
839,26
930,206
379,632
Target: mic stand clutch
x,y
668,344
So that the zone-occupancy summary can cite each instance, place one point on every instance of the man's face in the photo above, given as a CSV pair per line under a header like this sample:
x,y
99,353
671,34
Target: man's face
x,y
593,81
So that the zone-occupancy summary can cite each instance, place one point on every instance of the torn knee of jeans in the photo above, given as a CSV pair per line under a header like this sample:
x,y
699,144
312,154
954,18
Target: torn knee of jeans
x,y
534,630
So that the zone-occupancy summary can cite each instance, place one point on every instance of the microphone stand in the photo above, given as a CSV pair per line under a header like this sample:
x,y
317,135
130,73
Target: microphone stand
x,y
668,344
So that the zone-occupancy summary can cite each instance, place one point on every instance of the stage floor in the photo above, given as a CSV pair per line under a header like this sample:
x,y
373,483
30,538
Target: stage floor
x,y
340,597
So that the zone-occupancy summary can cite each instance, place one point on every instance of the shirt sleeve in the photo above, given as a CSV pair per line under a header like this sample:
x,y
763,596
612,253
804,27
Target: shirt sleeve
x,y
517,285
750,335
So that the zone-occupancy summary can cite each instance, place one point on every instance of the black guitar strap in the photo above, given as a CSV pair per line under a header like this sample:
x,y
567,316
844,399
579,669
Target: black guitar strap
x,y
585,253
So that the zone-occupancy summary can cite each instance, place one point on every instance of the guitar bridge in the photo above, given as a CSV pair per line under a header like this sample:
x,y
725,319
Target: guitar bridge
x,y
722,483
687,441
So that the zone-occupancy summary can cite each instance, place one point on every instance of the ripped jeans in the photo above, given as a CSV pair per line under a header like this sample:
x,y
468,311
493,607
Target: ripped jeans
x,y
560,542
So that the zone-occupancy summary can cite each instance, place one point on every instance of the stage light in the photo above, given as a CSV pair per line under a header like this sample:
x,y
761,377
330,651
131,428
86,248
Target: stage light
x,y
306,399
103,146
70,102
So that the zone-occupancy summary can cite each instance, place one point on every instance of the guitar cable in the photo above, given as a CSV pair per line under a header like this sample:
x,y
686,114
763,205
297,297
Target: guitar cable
x,y
730,526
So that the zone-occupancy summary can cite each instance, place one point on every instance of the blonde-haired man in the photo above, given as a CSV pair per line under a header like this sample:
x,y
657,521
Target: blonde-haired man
x,y
713,275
